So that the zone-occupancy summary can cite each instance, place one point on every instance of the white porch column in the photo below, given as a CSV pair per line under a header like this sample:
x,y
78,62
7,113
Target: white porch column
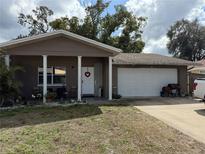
x,y
44,78
7,60
110,79
79,78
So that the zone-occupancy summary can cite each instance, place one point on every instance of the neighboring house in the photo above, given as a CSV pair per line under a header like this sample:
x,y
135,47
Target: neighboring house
x,y
87,67
196,72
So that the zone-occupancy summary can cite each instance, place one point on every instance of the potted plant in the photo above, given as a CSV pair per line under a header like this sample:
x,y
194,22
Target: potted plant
x,y
116,96
51,96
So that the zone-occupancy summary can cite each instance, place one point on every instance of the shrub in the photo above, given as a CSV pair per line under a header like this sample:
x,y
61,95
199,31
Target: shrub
x,y
9,86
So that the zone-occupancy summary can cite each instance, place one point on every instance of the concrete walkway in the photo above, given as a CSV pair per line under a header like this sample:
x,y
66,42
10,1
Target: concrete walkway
x,y
188,118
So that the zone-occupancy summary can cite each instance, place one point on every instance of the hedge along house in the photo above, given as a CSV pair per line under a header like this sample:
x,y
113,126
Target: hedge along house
x,y
89,68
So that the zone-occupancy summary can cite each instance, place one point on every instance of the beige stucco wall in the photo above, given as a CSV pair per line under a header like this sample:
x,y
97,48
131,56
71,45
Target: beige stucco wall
x,y
30,64
183,79
59,46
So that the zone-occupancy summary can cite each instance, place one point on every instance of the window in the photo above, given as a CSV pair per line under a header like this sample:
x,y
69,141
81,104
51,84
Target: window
x,y
55,76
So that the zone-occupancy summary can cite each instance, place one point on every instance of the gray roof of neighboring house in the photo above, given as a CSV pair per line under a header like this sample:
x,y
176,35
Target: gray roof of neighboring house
x,y
148,59
57,33
201,62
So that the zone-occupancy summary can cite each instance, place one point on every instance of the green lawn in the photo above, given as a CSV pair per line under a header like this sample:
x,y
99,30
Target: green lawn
x,y
89,129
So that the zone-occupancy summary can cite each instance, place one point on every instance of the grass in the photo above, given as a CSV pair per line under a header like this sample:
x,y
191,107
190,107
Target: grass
x,y
89,129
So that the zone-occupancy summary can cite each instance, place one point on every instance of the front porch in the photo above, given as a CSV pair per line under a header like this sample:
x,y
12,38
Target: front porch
x,y
68,54
81,76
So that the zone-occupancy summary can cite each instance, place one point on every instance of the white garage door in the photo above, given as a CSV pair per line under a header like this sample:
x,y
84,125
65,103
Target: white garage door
x,y
144,81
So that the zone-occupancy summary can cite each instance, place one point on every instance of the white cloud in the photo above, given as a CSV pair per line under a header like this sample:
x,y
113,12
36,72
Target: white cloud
x,y
19,6
142,7
156,45
65,7
161,15
9,10
198,12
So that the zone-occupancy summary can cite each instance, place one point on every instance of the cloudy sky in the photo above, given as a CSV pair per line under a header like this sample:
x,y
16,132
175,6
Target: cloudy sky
x,y
161,14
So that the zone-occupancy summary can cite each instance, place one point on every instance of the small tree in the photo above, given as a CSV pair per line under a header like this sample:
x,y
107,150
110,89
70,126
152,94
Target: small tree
x,y
37,23
9,86
121,29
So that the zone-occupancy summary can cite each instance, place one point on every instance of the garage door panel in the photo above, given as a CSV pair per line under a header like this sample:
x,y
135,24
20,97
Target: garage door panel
x,y
144,81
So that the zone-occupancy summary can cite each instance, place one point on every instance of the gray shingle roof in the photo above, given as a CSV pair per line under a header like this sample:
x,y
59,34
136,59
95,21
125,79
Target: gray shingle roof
x,y
148,59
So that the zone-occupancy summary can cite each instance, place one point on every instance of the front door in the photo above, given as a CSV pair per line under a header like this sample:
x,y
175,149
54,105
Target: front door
x,y
88,80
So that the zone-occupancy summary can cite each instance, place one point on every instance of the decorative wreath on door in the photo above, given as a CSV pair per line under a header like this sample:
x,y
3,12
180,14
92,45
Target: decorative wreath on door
x,y
87,73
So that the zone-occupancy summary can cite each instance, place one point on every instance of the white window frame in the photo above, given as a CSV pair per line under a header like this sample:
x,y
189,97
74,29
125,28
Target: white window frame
x,y
53,84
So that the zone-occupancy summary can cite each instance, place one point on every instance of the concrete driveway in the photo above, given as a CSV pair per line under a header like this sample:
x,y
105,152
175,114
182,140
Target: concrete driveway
x,y
186,115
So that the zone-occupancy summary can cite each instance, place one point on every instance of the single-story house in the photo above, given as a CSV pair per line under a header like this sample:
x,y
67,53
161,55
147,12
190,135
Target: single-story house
x,y
88,67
